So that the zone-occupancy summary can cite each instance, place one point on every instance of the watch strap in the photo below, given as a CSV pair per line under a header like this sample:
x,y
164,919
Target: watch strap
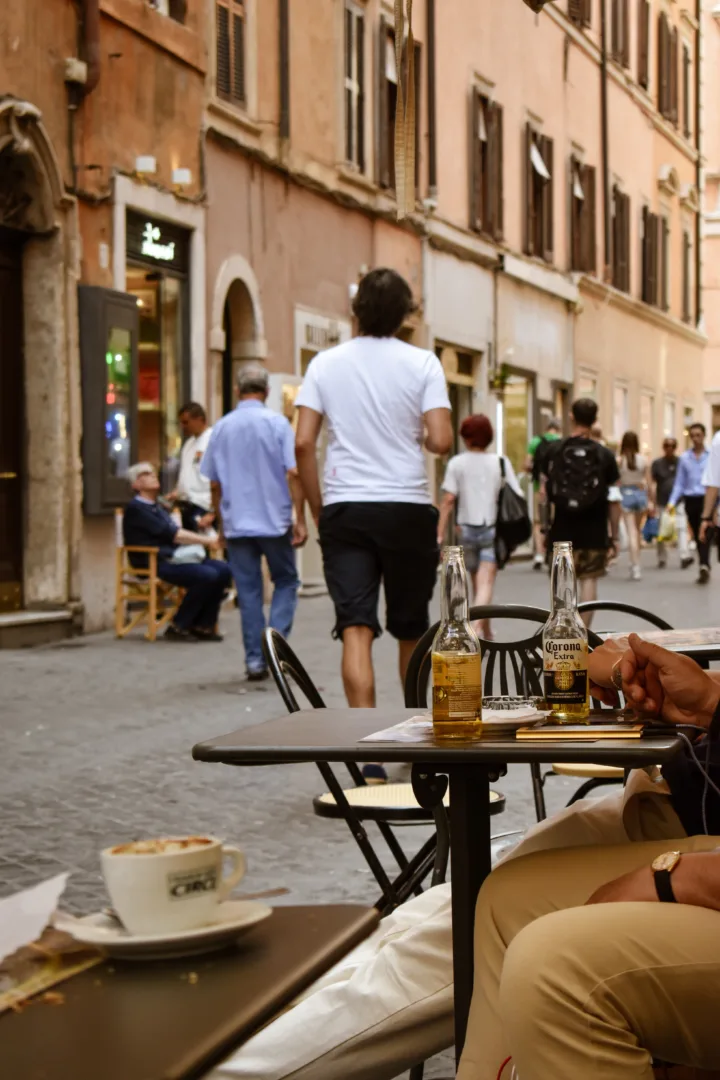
x,y
663,887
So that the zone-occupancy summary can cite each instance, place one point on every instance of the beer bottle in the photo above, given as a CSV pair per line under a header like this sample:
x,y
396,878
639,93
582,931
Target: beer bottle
x,y
456,661
565,645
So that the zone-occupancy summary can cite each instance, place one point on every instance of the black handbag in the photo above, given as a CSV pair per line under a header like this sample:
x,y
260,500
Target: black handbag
x,y
512,526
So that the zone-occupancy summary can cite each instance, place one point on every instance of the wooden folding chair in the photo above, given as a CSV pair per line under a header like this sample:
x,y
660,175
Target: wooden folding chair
x,y
141,597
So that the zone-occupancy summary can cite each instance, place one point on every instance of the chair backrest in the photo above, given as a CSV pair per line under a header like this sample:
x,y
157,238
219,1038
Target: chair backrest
x,y
626,609
119,539
284,665
515,665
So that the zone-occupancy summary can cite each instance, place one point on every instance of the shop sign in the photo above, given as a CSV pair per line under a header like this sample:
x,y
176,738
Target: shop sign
x,y
152,246
157,242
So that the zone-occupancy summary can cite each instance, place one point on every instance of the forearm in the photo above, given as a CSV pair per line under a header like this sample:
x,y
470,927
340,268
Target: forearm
x,y
696,879
615,512
184,536
711,498
296,494
446,506
309,479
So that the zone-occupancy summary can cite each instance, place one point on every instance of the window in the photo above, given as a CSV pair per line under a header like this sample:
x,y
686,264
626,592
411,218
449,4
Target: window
x,y
669,418
620,32
655,259
587,386
668,59
230,50
580,12
621,240
647,424
175,9
486,166
686,70
582,217
387,105
620,411
355,87
538,194
644,43
687,306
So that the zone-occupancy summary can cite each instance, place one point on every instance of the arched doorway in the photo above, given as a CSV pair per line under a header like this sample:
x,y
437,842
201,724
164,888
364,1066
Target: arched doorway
x,y
241,345
237,333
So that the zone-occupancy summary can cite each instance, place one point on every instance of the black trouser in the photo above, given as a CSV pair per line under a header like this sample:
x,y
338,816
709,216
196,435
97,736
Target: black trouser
x,y
694,510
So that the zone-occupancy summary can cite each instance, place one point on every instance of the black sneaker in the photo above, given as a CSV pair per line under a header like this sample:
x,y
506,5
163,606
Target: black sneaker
x,y
201,634
174,633
704,576
687,561
258,676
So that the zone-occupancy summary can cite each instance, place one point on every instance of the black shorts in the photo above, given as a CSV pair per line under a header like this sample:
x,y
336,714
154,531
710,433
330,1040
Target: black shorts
x,y
366,542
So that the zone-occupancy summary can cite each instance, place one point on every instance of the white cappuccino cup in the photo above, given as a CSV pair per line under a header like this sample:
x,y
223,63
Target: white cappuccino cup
x,y
171,883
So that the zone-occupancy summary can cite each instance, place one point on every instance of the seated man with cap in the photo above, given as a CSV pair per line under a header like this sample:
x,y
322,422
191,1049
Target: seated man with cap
x,y
181,558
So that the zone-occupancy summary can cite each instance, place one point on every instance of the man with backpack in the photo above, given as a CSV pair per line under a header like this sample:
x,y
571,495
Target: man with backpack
x,y
537,451
580,472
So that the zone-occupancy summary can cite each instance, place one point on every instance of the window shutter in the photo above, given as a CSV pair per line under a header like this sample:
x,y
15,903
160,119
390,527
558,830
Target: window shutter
x,y
588,183
626,242
496,173
575,11
586,12
663,64
383,137
615,29
654,250
349,111
686,312
222,76
529,216
475,149
644,290
238,89
547,199
674,75
687,128
418,112
575,231
616,237
644,43
664,263
626,33
360,114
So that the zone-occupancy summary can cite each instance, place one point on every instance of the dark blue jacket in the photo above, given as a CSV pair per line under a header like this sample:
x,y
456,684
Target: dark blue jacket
x,y
148,525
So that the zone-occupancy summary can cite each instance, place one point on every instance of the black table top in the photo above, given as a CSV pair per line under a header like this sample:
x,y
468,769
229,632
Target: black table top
x,y
336,734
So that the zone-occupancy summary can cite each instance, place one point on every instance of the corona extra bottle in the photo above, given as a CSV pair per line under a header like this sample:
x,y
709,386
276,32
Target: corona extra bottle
x,y
456,660
565,645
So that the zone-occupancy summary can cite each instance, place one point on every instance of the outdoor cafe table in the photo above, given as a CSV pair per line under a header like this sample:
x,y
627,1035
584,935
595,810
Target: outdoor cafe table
x,y
175,1019
335,735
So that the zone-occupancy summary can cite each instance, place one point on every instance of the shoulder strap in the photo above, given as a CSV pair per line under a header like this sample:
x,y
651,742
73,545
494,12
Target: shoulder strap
x,y
502,467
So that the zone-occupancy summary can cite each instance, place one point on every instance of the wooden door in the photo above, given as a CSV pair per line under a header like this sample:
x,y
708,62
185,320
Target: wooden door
x,y
11,426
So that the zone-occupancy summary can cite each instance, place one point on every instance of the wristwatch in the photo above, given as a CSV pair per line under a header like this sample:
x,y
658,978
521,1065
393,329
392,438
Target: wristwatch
x,y
616,675
662,868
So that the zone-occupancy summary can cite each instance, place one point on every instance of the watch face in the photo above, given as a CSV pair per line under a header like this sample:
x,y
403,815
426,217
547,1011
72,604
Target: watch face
x,y
668,861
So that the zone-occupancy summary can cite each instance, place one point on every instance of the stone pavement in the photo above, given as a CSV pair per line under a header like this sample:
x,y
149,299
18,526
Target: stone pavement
x,y
95,739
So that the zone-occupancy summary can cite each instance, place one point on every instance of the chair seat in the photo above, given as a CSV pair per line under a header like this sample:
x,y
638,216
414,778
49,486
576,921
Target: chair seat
x,y
387,802
589,772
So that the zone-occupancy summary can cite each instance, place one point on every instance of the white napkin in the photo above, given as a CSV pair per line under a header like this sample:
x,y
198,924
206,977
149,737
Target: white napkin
x,y
24,915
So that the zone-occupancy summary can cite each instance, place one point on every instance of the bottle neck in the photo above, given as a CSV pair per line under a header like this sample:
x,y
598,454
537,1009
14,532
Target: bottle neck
x,y
563,586
454,595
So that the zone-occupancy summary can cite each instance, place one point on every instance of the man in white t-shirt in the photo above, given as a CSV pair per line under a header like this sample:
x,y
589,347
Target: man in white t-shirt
x,y
383,400
192,493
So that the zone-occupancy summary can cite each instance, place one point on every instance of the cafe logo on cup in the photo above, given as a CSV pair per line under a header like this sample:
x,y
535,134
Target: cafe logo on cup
x,y
189,883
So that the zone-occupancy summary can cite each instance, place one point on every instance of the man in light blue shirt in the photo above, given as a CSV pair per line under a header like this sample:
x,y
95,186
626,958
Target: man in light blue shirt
x,y
690,488
250,462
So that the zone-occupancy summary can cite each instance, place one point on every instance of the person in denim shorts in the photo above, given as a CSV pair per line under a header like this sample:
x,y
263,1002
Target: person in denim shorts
x,y
471,486
634,487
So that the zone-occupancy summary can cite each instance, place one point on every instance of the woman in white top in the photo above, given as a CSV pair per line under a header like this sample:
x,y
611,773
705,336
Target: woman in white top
x,y
472,485
634,487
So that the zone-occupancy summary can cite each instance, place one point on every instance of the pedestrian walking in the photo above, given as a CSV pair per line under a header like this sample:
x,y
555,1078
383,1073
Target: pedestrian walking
x,y
690,488
662,473
192,494
536,450
634,470
580,473
711,480
471,487
250,462
383,399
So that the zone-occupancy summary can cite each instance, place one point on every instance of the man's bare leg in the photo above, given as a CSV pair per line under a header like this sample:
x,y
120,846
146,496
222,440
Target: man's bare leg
x,y
405,651
588,591
357,668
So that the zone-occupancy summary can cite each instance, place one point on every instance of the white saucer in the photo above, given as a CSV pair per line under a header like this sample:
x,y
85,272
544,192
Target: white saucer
x,y
233,919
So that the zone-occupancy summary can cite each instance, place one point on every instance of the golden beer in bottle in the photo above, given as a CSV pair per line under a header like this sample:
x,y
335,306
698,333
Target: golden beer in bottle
x,y
565,645
456,660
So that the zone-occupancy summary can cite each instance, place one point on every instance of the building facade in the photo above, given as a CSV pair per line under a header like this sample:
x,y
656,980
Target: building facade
x,y
710,196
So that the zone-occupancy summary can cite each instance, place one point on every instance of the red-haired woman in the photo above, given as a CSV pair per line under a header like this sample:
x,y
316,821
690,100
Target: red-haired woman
x,y
471,486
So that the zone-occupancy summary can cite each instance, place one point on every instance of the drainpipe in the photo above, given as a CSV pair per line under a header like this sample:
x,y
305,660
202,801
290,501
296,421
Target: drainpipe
x,y
607,231
700,171
432,117
284,73
91,43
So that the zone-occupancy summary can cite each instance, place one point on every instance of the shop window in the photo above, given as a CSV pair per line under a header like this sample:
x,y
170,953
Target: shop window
x,y
387,104
486,166
621,240
582,217
355,86
538,194
644,43
230,38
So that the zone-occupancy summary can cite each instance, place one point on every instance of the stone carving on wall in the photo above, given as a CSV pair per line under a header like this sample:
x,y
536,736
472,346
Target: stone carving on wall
x,y
31,188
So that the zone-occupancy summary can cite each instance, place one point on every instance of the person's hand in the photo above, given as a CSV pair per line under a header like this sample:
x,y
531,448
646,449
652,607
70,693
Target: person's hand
x,y
206,520
299,533
667,685
601,662
638,885
705,527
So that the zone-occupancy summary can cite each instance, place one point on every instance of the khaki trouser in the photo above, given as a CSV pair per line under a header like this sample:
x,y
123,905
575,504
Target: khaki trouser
x,y
389,1004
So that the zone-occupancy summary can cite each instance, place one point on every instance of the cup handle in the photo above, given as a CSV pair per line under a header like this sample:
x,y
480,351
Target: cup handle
x,y
228,883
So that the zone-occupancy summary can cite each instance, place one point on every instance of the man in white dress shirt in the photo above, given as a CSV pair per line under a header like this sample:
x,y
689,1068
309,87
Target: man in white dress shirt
x,y
193,494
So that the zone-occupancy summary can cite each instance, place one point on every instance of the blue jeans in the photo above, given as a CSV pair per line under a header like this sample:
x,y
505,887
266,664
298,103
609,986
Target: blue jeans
x,y
244,556
206,583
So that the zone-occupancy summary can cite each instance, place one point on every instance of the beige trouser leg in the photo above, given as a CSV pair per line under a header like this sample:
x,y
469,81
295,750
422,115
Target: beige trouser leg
x,y
589,993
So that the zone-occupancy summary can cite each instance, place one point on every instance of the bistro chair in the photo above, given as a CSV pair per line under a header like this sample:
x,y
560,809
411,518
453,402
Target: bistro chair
x,y
141,597
594,776
385,805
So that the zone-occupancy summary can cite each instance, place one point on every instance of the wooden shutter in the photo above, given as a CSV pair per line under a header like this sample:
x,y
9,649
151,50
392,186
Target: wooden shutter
x,y
589,238
223,67
686,307
383,108
626,243
238,81
575,230
686,65
644,290
418,112
529,188
644,43
664,263
546,149
615,29
625,16
586,12
616,237
496,172
360,110
575,11
663,64
349,110
475,150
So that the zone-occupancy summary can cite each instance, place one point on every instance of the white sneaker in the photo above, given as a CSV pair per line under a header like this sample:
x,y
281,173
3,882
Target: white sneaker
x,y
635,574
538,562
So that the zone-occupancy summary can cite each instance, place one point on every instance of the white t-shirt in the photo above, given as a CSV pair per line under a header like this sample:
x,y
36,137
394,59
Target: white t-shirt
x,y
711,476
192,485
474,478
374,392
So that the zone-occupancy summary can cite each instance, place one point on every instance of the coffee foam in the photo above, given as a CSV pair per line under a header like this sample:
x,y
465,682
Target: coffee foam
x,y
162,846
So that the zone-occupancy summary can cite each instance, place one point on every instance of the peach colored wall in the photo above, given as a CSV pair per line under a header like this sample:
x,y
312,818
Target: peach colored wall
x,y
711,205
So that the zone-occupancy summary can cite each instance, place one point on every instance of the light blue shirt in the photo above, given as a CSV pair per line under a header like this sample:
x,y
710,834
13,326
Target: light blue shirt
x,y
249,455
689,476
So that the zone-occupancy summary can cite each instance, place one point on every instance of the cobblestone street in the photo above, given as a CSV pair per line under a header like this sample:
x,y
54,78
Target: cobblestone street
x,y
95,740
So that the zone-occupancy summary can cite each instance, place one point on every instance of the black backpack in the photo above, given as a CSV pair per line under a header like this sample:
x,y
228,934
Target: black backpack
x,y
576,479
512,526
